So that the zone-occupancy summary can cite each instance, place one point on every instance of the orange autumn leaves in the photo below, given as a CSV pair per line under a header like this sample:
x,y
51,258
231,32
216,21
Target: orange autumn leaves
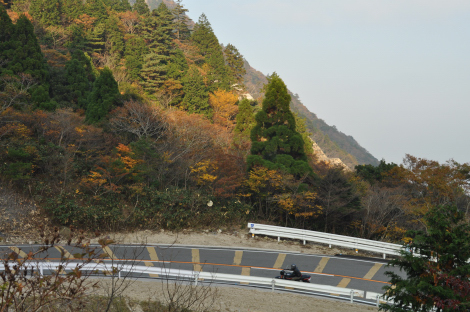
x,y
112,172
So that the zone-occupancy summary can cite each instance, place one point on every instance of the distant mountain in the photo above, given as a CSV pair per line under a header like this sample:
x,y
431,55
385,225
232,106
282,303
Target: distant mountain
x,y
334,143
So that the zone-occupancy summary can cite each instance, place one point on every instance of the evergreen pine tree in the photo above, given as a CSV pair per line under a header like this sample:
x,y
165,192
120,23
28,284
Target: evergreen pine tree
x,y
158,34
141,7
102,97
25,55
436,268
204,38
182,31
6,32
77,38
196,97
72,9
124,6
245,119
47,12
118,5
6,26
77,73
177,66
114,38
96,8
235,64
96,39
301,128
275,142
135,50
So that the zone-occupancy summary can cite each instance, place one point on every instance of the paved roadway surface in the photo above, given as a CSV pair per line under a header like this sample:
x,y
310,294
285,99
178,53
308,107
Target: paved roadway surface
x,y
361,274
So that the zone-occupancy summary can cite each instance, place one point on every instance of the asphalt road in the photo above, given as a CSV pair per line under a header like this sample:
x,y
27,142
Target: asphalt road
x,y
361,274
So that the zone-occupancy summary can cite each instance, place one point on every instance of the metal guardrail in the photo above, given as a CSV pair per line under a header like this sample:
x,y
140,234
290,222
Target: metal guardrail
x,y
195,277
326,238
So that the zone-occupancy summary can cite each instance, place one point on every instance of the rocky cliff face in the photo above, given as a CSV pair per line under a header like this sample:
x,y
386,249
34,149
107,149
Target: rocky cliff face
x,y
321,157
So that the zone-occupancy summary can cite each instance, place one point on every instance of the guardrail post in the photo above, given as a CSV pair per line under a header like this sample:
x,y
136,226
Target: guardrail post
x,y
273,284
352,296
119,274
196,279
378,301
278,239
384,256
330,242
41,270
304,241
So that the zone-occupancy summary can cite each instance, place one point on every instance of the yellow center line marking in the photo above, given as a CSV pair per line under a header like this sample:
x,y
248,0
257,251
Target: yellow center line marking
x,y
321,266
241,266
64,252
373,271
20,252
195,260
154,257
246,272
279,261
237,260
344,282
109,252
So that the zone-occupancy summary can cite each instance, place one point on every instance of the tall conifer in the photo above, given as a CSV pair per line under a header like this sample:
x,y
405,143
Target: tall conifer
x,y
182,31
114,38
72,8
6,32
96,8
245,119
102,97
25,55
141,7
275,142
196,97
235,64
208,44
134,56
77,74
47,12
157,31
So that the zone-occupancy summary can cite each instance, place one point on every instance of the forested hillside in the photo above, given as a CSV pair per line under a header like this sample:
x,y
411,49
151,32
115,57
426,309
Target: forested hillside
x,y
117,117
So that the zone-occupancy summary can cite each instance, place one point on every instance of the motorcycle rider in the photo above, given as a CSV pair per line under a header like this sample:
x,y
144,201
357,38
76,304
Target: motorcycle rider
x,y
296,275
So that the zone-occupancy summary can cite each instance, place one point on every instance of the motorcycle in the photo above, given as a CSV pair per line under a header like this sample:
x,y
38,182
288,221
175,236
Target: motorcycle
x,y
287,275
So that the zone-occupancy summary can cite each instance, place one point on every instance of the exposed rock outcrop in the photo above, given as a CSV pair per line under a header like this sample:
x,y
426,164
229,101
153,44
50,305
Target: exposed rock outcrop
x,y
332,162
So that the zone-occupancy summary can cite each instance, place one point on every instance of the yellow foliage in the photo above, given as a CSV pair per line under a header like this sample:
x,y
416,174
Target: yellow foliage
x,y
22,131
261,178
203,170
224,105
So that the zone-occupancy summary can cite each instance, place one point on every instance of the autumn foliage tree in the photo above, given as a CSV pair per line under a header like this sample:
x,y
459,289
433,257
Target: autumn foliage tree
x,y
224,106
429,183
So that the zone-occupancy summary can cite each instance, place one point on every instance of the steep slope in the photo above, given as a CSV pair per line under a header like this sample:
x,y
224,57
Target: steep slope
x,y
334,143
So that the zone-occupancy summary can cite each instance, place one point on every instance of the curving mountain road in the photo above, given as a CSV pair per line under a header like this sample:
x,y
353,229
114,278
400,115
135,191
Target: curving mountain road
x,y
367,275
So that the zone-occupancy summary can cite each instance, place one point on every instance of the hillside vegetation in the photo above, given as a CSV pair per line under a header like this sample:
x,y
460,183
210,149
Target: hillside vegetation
x,y
116,117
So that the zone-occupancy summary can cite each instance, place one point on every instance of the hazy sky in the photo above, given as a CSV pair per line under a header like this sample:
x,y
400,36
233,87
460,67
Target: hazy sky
x,y
394,74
